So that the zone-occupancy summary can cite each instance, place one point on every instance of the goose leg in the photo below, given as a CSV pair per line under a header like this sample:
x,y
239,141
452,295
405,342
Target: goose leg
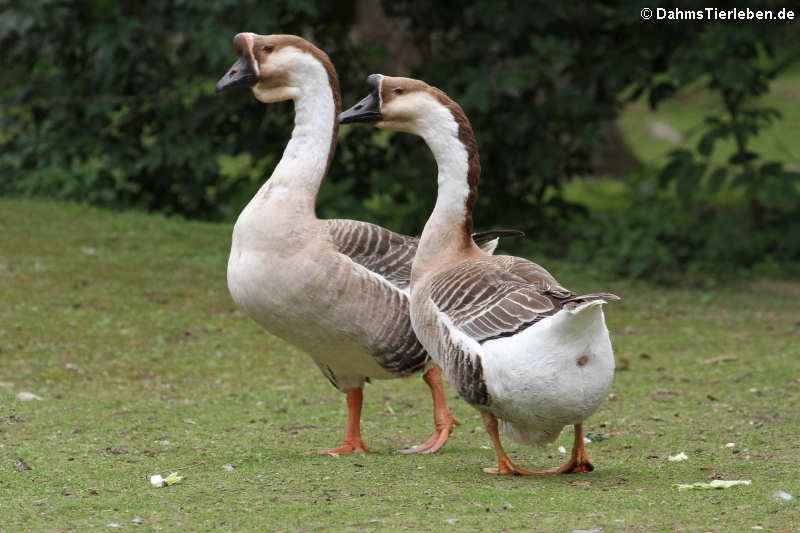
x,y
352,433
504,464
442,417
579,462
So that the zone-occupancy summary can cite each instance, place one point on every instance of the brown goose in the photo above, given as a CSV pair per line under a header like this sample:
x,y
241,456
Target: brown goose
x,y
337,289
516,345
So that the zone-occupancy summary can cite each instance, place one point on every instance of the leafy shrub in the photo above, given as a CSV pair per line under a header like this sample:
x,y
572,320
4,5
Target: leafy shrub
x,y
116,104
113,102
738,80
656,237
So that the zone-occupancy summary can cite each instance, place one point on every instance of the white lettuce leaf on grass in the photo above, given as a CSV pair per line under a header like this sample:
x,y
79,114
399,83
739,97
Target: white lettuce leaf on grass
x,y
715,484
158,482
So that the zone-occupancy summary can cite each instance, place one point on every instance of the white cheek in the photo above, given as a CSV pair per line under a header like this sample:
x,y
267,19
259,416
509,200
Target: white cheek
x,y
269,69
281,65
275,94
411,113
396,125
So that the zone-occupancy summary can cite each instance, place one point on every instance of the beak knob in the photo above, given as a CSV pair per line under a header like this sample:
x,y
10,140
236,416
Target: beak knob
x,y
243,73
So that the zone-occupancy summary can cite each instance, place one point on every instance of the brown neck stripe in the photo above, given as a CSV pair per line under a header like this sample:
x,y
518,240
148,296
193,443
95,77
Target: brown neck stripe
x,y
467,137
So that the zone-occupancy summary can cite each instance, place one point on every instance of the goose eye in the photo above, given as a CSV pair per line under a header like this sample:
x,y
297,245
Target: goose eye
x,y
269,48
397,90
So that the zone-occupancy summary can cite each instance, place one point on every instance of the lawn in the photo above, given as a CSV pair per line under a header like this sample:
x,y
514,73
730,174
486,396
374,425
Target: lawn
x,y
122,324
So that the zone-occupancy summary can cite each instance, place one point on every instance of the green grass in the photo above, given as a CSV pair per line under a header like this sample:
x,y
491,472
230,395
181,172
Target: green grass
x,y
123,324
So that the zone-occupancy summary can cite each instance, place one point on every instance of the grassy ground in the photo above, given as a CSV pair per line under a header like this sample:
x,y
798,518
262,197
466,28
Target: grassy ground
x,y
123,325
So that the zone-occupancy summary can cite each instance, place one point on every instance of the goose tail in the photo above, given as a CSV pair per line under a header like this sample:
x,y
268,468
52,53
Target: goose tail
x,y
488,240
576,304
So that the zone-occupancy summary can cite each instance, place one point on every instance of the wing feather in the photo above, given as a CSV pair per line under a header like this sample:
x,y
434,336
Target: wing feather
x,y
385,252
501,296
377,249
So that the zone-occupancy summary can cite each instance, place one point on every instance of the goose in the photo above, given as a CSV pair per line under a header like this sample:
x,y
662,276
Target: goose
x,y
337,289
530,355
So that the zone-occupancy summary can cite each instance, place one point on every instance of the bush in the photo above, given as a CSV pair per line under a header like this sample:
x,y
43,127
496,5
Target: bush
x,y
113,102
656,237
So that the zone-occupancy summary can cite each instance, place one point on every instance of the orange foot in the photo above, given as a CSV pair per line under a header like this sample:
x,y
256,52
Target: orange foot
x,y
505,466
437,440
570,467
353,446
579,462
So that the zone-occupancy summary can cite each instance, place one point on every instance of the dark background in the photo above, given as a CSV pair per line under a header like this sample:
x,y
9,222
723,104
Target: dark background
x,y
113,103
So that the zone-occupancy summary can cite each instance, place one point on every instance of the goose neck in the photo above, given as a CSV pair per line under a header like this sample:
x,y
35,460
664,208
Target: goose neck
x,y
304,164
448,232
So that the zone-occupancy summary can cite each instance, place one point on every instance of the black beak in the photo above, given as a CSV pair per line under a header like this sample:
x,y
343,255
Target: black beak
x,y
241,74
367,110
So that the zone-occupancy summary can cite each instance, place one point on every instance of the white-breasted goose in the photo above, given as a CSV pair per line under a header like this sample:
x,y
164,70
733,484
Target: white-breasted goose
x,y
337,289
515,344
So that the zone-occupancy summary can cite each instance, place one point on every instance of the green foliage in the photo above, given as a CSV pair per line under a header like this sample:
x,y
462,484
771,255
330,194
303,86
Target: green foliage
x,y
372,179
684,227
656,235
124,114
113,102
738,63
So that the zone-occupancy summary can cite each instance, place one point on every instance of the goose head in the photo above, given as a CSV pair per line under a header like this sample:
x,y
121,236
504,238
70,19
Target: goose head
x,y
401,104
276,67
413,106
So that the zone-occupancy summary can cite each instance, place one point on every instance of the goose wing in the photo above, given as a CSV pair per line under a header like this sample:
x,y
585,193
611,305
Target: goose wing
x,y
377,280
501,296
377,249
390,254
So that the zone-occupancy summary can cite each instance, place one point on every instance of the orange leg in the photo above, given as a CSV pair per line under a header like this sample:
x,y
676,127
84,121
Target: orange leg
x,y
442,417
352,433
579,462
504,464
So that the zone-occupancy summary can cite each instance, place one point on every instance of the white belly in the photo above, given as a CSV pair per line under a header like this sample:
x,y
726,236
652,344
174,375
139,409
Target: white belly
x,y
556,372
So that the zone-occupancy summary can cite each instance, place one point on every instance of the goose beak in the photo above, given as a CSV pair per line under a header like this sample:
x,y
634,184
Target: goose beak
x,y
367,110
241,74
244,72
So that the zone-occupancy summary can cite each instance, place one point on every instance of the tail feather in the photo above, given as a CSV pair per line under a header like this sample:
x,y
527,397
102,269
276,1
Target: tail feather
x,y
487,236
593,296
583,301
